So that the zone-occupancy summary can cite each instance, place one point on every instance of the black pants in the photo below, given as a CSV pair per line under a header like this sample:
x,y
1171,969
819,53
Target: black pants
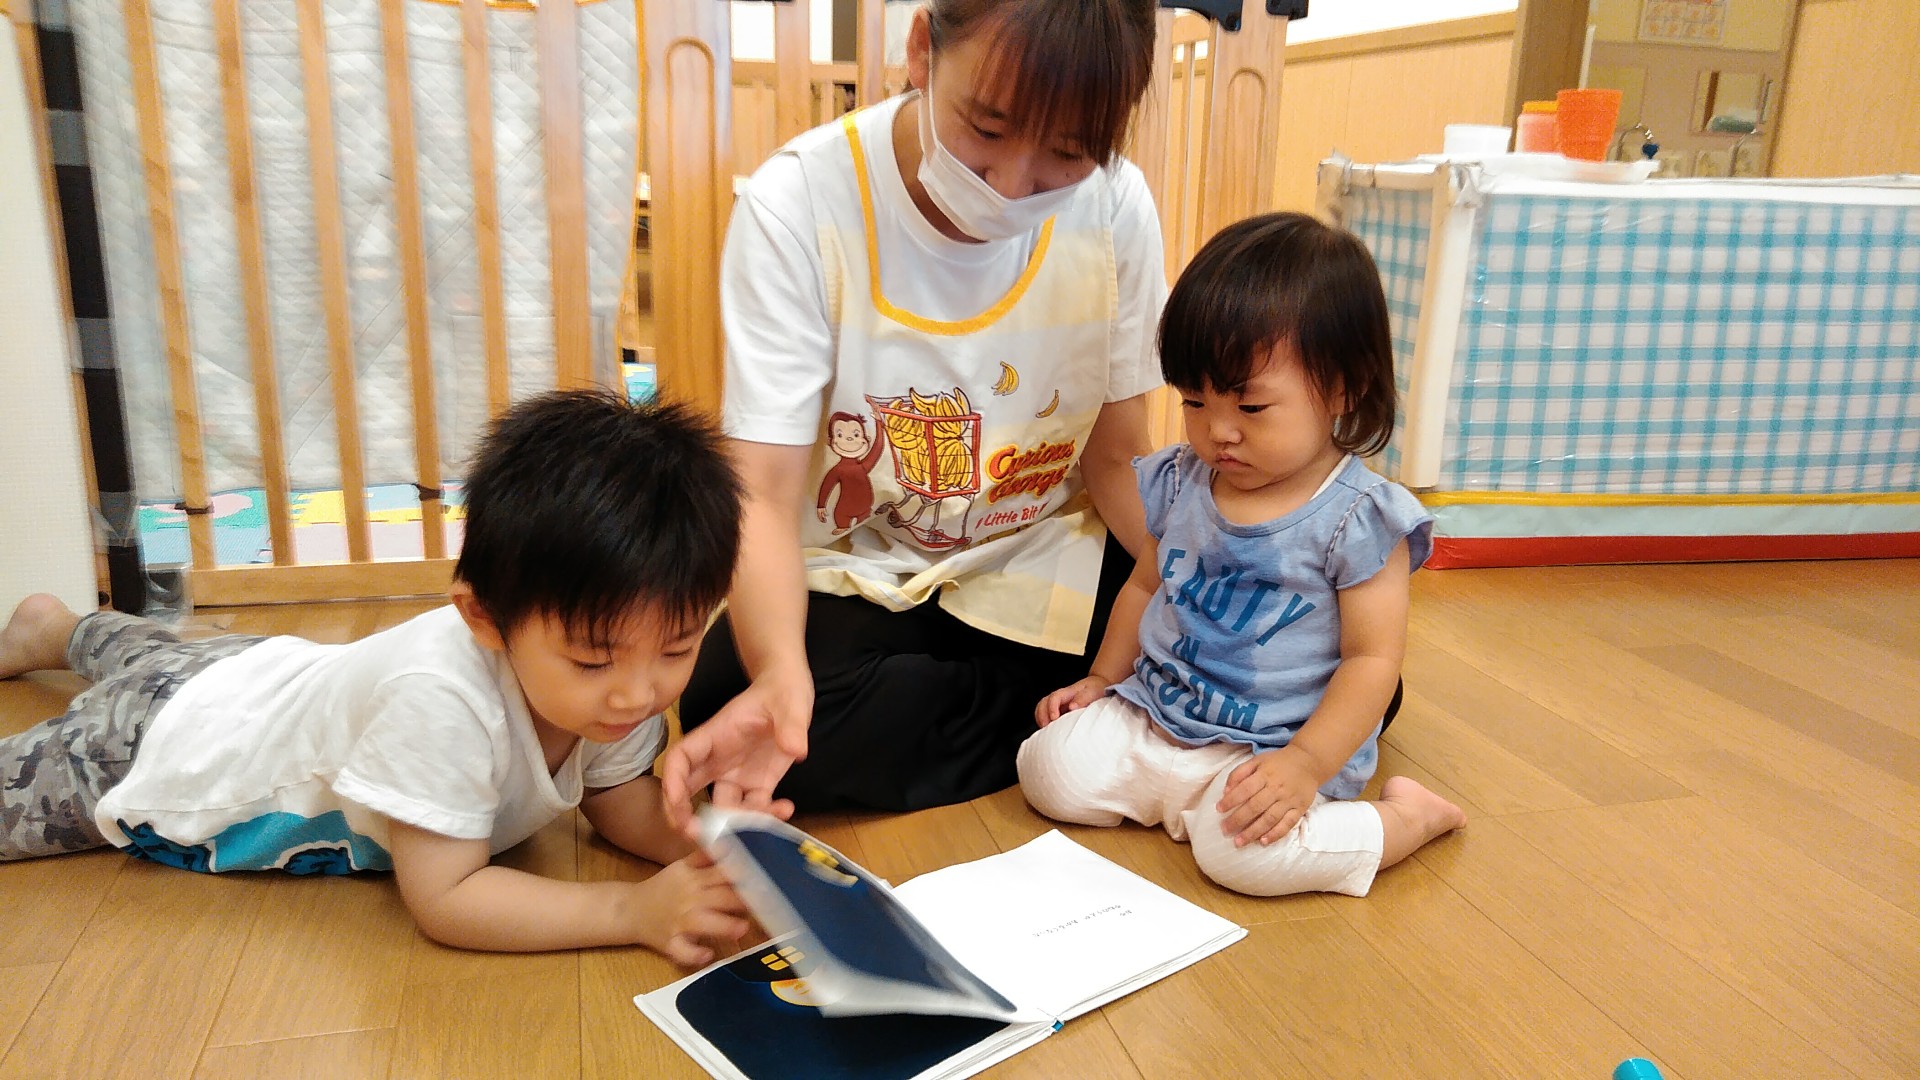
x,y
912,708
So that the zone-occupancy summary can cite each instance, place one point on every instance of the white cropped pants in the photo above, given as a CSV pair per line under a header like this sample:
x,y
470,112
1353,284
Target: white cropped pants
x,y
1107,762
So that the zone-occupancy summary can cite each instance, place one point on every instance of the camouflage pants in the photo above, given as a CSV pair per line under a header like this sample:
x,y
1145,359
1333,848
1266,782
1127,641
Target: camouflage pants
x,y
53,775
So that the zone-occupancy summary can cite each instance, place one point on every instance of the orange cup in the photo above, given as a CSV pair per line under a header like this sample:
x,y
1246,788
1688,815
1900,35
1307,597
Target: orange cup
x,y
1585,119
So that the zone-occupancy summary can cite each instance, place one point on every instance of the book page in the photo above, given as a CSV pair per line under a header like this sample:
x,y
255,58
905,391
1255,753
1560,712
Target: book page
x,y
868,953
1058,928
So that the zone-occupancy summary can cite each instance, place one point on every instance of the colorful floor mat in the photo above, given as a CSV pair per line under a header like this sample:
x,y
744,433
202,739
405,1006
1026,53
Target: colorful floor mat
x,y
241,536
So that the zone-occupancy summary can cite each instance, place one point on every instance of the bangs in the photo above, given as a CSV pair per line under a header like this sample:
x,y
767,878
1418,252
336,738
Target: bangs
x,y
1074,72
1237,299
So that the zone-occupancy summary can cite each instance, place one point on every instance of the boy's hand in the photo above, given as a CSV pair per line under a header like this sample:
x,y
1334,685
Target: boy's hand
x,y
1069,698
688,909
1267,796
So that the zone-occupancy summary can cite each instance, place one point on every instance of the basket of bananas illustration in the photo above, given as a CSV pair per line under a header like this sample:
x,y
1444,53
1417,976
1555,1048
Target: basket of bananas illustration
x,y
935,441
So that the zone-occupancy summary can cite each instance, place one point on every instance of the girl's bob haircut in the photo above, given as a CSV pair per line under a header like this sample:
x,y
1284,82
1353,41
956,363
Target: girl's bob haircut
x,y
1286,278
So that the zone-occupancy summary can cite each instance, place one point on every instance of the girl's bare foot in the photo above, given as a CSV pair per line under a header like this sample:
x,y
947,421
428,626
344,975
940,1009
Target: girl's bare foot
x,y
1413,815
35,639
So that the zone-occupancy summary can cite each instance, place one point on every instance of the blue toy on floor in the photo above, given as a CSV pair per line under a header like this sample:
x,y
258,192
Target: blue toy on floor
x,y
1636,1069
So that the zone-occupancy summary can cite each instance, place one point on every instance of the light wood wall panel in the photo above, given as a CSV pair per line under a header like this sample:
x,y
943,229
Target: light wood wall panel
x,y
1852,99
1388,96
1313,121
756,133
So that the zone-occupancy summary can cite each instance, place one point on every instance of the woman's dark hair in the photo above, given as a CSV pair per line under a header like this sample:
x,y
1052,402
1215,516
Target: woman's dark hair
x,y
585,507
1074,68
1291,278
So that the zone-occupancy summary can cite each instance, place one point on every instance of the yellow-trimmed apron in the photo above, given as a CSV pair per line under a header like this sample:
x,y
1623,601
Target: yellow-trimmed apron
x,y
966,434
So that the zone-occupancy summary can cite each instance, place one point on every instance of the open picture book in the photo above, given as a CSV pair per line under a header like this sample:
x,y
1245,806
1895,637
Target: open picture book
x,y
941,977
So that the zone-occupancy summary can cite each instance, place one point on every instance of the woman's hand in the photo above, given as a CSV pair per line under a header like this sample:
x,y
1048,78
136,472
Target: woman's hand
x,y
743,751
1070,698
1267,796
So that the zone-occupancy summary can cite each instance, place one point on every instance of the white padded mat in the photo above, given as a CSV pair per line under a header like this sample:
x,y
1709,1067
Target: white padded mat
x,y
190,76
46,542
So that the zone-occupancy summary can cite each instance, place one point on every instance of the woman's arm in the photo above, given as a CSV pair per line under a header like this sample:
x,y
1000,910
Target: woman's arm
x,y
1119,648
1119,435
1121,645
780,360
748,745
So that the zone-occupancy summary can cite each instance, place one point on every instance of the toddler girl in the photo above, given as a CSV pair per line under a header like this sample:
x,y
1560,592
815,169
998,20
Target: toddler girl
x,y
1253,658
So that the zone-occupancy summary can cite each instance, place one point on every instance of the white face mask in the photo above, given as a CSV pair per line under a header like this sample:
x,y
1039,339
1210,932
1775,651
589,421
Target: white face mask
x,y
966,197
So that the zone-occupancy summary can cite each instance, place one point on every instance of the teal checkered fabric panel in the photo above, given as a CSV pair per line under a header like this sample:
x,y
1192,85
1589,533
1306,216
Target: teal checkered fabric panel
x,y
1688,346
1396,226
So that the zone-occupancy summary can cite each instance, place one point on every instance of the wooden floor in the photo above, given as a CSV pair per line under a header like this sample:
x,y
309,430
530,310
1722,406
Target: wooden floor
x,y
1695,803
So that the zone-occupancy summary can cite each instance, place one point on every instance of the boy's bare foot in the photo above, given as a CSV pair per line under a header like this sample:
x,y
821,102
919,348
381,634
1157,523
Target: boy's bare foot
x,y
35,639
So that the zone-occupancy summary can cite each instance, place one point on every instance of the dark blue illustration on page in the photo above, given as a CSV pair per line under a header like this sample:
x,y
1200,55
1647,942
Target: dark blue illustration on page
x,y
755,1011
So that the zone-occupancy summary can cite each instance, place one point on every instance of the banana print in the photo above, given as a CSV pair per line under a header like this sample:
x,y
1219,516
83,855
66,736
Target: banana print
x,y
1009,380
1051,405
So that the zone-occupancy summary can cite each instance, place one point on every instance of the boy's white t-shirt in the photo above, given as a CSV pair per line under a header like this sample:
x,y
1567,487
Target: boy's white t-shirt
x,y
294,756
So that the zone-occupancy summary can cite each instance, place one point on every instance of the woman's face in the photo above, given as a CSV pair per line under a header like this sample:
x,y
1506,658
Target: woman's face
x,y
972,121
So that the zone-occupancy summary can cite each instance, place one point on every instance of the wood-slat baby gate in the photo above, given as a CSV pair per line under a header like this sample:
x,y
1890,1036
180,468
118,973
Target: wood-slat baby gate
x,y
557,34
1206,140
688,78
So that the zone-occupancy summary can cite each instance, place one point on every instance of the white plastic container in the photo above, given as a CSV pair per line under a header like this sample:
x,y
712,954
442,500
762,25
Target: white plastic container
x,y
1476,140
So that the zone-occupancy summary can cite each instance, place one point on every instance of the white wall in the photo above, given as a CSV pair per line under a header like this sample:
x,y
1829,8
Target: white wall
x,y
46,539
1344,18
753,30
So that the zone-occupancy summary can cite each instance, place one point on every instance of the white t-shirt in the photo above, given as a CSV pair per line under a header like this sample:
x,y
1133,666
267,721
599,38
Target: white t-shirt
x,y
294,756
773,299
947,389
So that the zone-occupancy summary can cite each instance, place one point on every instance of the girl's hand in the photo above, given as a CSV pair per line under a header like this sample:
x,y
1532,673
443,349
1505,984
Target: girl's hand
x,y
1267,796
1070,698
687,910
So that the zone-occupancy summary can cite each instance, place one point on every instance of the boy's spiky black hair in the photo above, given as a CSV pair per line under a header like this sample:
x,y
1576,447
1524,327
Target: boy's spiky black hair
x,y
587,508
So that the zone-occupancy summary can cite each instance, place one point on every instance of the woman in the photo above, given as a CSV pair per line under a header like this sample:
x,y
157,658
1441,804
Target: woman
x,y
939,317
